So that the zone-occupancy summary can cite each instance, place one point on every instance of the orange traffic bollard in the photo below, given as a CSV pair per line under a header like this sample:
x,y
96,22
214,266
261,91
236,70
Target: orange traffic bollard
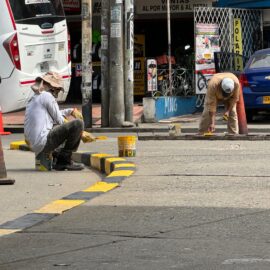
x,y
241,114
2,132
3,173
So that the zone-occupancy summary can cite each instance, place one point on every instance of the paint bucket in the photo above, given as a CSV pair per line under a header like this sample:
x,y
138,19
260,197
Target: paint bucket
x,y
127,146
44,162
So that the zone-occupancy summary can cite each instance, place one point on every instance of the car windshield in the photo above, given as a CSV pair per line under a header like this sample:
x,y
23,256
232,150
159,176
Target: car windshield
x,y
28,9
260,61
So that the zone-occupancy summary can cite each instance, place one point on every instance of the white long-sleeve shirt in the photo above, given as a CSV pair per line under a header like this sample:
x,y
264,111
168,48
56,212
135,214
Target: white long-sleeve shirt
x,y
42,112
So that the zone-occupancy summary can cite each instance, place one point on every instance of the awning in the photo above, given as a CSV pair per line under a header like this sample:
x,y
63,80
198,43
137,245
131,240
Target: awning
x,y
244,3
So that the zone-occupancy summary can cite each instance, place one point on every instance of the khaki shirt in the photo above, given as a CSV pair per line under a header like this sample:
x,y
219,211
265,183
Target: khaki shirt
x,y
214,92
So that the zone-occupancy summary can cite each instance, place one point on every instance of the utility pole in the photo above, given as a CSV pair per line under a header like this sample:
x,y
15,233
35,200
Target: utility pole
x,y
87,62
129,59
105,91
169,45
117,106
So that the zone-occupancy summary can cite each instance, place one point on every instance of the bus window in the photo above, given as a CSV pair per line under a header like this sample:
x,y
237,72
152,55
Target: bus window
x,y
29,9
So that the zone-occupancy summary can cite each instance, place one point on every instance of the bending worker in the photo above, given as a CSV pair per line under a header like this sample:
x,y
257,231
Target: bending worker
x,y
222,88
46,129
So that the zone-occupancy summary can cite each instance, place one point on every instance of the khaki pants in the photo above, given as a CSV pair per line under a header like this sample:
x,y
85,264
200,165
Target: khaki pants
x,y
232,124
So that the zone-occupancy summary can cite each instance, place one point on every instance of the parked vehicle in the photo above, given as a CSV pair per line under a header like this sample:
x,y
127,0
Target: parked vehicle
x,y
255,81
33,40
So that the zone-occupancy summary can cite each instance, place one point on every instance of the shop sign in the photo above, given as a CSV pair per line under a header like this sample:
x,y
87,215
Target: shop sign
x,y
238,46
159,6
207,42
151,75
71,5
139,76
176,6
139,65
139,46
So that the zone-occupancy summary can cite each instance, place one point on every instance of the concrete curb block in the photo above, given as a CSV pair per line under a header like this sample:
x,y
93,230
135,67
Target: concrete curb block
x,y
215,137
19,145
116,170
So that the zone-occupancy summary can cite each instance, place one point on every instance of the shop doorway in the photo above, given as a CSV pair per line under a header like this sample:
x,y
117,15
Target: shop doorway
x,y
156,41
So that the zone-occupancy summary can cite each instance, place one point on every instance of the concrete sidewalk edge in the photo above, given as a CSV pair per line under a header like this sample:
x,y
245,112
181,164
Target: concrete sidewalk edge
x,y
20,129
116,170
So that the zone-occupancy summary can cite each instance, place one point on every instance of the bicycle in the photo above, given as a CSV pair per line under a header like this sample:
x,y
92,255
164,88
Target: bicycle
x,y
181,82
202,83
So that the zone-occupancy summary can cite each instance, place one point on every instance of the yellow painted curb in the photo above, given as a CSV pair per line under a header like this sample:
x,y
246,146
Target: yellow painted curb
x,y
121,173
124,165
95,160
6,232
16,145
101,187
59,206
109,161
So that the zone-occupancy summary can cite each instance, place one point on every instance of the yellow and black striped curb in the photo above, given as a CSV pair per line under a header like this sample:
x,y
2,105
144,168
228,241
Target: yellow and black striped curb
x,y
19,145
116,170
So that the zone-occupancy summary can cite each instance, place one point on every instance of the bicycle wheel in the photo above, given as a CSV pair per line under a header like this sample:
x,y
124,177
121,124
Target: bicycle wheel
x,y
165,88
200,101
202,83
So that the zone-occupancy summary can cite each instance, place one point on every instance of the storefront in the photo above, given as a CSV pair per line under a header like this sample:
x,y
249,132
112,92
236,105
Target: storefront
x,y
150,39
251,4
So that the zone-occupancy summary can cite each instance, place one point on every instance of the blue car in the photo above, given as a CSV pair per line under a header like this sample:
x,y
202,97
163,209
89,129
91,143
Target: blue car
x,y
255,81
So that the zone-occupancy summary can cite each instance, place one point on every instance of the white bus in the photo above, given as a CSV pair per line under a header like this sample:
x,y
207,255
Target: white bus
x,y
33,40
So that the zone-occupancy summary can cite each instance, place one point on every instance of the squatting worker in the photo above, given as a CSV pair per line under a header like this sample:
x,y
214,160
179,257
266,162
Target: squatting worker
x,y
222,88
45,126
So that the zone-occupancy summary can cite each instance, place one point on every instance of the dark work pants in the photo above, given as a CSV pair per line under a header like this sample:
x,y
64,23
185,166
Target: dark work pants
x,y
65,139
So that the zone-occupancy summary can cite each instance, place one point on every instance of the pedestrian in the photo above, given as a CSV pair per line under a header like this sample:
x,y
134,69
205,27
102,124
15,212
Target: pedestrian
x,y
223,88
46,128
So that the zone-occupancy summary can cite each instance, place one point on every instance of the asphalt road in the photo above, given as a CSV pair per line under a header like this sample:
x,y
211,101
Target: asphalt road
x,y
191,205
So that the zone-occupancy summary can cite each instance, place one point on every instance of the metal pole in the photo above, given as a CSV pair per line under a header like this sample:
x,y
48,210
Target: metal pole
x,y
169,45
129,59
117,106
87,62
105,91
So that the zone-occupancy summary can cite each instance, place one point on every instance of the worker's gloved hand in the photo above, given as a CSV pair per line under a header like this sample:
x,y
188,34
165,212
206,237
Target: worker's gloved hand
x,y
65,119
88,137
226,116
77,114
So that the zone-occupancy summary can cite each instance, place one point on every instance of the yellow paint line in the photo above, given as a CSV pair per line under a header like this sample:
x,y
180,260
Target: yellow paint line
x,y
123,165
108,162
59,206
95,160
121,173
101,187
6,232
16,145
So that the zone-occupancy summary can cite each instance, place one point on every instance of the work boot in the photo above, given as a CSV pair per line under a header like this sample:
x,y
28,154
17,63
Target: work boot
x,y
63,162
44,161
72,166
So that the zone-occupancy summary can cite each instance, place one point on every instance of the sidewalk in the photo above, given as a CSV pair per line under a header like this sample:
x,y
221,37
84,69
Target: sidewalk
x,y
17,118
189,123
